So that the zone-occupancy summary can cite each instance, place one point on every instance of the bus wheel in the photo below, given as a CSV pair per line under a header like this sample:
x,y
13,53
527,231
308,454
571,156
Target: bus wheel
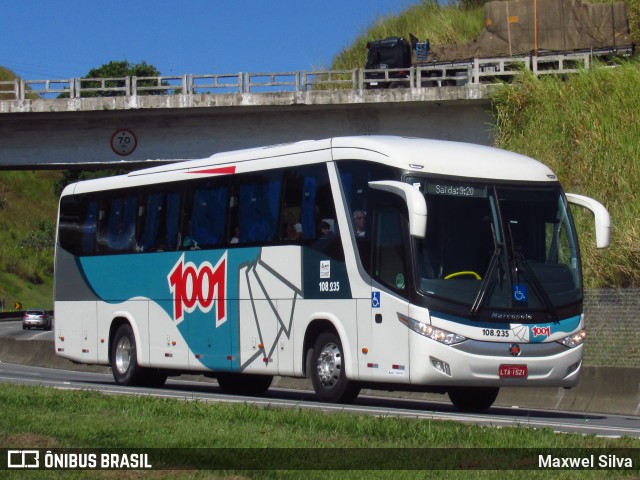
x,y
124,363
244,383
327,371
473,399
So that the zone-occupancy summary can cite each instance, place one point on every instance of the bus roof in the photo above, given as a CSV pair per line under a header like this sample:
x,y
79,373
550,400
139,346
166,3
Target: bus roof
x,y
441,157
448,158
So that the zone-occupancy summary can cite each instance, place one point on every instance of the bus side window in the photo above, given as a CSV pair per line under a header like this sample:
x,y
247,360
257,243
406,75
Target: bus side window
x,y
299,195
355,176
78,221
116,221
389,264
208,215
122,224
159,225
258,207
89,228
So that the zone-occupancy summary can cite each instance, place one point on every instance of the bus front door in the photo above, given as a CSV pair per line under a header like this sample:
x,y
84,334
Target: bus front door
x,y
388,354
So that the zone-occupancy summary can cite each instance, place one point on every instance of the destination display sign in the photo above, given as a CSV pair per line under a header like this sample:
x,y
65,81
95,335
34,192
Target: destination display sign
x,y
456,190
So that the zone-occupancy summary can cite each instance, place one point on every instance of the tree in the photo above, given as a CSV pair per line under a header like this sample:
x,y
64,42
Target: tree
x,y
118,70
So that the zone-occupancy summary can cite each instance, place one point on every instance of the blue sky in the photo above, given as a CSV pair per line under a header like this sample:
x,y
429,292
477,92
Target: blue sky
x,y
42,39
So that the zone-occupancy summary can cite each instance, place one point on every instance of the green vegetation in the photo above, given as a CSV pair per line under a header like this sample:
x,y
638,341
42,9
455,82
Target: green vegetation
x,y
6,91
84,419
441,25
587,129
28,207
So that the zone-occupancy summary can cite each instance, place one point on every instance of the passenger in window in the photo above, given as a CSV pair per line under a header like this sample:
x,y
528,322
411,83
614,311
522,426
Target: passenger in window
x,y
326,230
359,219
188,242
327,240
294,232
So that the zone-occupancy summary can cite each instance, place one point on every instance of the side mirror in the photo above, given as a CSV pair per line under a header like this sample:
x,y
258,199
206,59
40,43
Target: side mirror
x,y
416,204
601,216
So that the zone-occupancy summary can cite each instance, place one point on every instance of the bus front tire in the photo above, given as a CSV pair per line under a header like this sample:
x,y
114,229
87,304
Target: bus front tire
x,y
327,371
473,399
124,362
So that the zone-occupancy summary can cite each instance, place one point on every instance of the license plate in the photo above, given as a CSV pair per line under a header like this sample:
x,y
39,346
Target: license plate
x,y
513,371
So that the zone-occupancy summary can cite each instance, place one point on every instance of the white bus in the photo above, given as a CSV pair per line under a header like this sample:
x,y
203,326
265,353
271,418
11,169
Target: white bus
x,y
375,261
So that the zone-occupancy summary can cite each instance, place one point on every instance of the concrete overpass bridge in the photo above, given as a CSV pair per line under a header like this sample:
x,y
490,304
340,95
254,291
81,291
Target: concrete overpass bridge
x,y
58,124
131,121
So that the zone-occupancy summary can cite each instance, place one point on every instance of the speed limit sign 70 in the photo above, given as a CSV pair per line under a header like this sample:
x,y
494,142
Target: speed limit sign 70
x,y
123,142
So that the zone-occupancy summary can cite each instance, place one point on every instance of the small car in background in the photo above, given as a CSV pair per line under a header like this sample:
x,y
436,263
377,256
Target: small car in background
x,y
36,318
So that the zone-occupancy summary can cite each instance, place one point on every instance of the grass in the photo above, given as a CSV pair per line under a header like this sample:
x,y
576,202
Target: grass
x,y
38,417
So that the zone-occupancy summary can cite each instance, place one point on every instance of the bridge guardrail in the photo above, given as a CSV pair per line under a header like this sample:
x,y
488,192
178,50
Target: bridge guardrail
x,y
478,71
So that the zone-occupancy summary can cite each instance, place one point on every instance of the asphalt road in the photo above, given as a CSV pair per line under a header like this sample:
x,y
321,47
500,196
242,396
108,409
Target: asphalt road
x,y
13,329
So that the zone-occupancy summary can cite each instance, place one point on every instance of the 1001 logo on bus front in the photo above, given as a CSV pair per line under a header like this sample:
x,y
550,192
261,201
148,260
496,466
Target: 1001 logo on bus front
x,y
199,287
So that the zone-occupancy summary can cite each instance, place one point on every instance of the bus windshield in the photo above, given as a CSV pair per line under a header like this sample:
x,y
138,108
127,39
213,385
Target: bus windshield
x,y
491,247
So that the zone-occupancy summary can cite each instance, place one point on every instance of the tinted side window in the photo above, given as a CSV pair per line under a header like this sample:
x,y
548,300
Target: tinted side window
x,y
307,199
203,222
116,231
355,176
255,207
389,260
159,225
77,224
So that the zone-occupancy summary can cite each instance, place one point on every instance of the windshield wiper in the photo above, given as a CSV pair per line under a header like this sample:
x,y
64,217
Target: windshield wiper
x,y
480,297
493,263
537,286
519,260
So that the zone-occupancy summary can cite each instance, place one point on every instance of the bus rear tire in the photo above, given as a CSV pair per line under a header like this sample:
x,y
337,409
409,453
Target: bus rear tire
x,y
244,383
124,360
473,399
327,371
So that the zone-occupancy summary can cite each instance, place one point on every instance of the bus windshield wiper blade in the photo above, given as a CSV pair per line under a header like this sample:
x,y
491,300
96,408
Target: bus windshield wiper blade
x,y
480,297
537,286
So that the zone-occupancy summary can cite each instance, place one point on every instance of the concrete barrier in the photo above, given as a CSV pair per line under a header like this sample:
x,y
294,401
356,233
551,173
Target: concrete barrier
x,y
602,389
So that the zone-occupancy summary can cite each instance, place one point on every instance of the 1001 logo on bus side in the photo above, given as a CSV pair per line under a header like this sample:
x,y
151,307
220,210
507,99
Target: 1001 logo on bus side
x,y
199,287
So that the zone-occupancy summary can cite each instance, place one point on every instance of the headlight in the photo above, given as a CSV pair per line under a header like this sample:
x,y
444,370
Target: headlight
x,y
574,340
437,334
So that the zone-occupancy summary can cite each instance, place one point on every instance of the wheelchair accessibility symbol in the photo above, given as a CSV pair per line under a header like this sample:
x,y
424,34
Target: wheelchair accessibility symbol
x,y
520,293
375,299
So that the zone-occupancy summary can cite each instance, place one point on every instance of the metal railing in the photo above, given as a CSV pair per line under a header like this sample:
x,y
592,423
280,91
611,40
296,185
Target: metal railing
x,y
478,71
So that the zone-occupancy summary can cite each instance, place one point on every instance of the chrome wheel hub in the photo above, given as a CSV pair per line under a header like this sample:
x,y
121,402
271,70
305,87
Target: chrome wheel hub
x,y
123,355
329,365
